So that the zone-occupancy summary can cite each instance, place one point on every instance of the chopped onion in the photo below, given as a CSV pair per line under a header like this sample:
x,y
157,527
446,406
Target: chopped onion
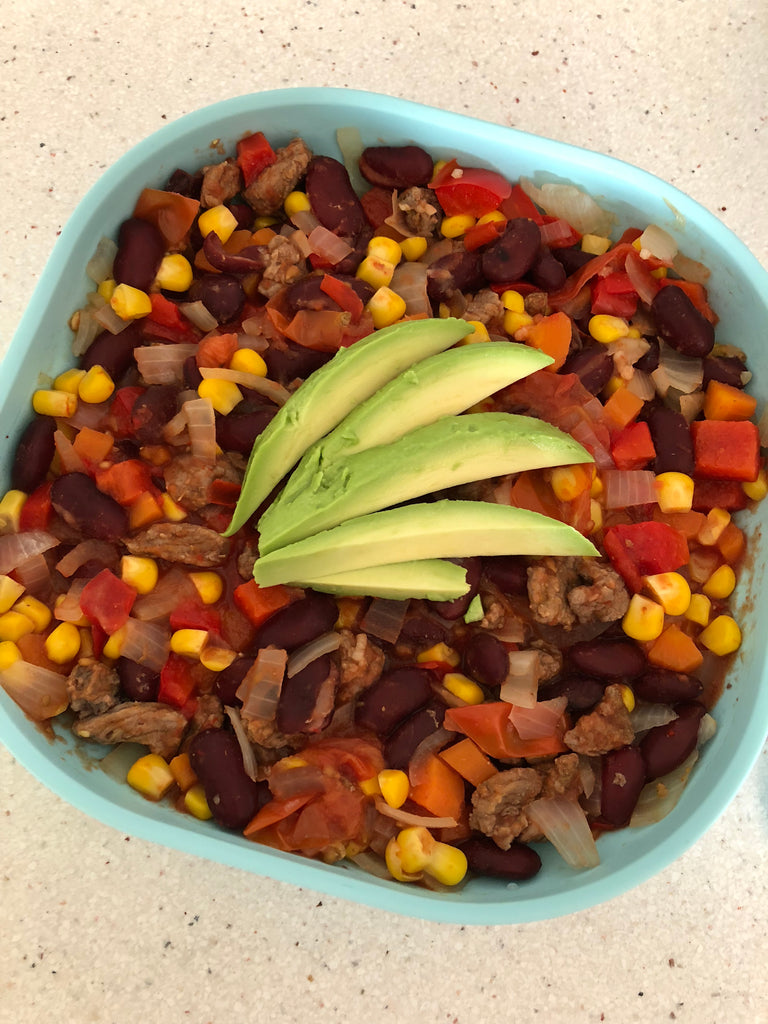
x,y
659,797
34,575
350,143
99,266
626,487
328,246
298,780
310,652
511,631
565,825
585,434
305,221
40,693
198,314
145,642
443,247
16,548
678,371
69,459
655,241
109,319
566,201
522,680
262,385
301,242
68,608
99,550
259,691
202,428
410,282
648,716
88,329
428,747
556,231
371,863
539,721
707,729
641,384
175,430
253,326
691,270
407,818
120,759
384,619
163,364
249,757
172,588
89,414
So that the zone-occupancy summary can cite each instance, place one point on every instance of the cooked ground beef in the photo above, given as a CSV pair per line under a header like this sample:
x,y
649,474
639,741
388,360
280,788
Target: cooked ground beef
x,y
498,804
92,687
156,726
560,777
283,264
247,559
421,210
537,302
267,193
486,307
562,591
188,479
360,664
209,714
550,660
220,182
181,542
265,734
607,727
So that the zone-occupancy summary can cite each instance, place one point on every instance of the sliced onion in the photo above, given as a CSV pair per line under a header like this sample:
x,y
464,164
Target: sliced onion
x,y
40,693
640,277
384,619
198,314
68,457
262,385
371,863
16,548
202,428
627,487
310,652
659,797
175,430
328,246
407,818
88,329
691,270
68,608
410,282
565,825
677,371
539,721
250,765
655,241
260,690
428,747
163,364
585,434
350,143
88,414
641,384
145,642
305,221
566,201
34,575
99,266
98,550
109,319
522,680
648,716
172,588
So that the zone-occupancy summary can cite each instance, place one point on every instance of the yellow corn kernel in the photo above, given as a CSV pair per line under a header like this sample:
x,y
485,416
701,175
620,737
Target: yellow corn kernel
x,y
246,360
634,333
721,583
716,522
416,848
61,404
139,572
644,619
171,509
413,248
63,643
394,866
263,222
86,639
14,625
114,645
492,217
479,333
757,489
9,653
10,592
443,311
463,687
39,614
597,487
627,697
437,167
174,273
151,776
606,329
614,384
513,321
440,652
456,226
189,641
595,245
674,492
209,586
296,202
223,395
183,773
596,515
215,658
568,482
699,609
130,303
69,380
96,386
659,272
671,590
218,219
386,307
106,288
10,513
371,786
513,301
722,636
196,804
393,786
385,248
448,864
375,271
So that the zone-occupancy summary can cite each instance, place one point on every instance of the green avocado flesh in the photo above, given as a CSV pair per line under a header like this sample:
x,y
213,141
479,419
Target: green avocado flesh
x,y
329,394
440,529
430,578
454,450
442,385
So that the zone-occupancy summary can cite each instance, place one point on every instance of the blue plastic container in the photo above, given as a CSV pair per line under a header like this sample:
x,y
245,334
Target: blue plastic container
x,y
738,291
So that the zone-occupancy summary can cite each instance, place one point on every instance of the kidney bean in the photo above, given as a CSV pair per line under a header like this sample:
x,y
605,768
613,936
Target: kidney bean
x,y
392,698
359,243
290,361
232,796
228,681
456,609
248,260
513,255
516,864
237,431
334,201
672,440
649,361
573,258
297,709
607,658
665,747
221,294
191,374
151,411
84,507
593,367
623,777
306,293
402,742
662,686
508,572
680,324
140,249
137,682
486,659
725,370
34,453
187,184
458,271
582,692
396,166
114,352
298,623
546,272
421,632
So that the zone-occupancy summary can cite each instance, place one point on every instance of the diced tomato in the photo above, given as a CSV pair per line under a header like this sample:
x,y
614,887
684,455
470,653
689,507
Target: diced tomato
x,y
726,449
519,204
99,638
483,234
644,549
106,600
216,350
259,603
125,481
343,294
633,447
171,213
120,409
613,258
727,494
490,728
36,512
166,321
352,757
377,205
254,154
476,191
177,681
193,614
614,295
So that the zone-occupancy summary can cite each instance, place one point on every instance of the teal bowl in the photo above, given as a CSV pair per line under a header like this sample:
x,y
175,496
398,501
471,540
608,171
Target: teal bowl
x,y
739,292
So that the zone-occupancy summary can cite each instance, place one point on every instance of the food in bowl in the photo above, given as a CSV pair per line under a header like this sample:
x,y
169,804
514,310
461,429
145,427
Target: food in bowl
x,y
298,667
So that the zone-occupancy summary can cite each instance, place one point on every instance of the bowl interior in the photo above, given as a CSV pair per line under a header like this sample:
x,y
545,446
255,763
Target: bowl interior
x,y
738,291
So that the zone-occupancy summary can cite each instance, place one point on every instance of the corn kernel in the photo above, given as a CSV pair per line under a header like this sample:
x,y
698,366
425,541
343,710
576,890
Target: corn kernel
x,y
393,786
440,652
699,609
595,245
151,776
371,786
721,583
495,216
183,773
413,248
394,865
757,489
63,643
456,226
69,380
174,273
659,272
607,329
386,307
416,848
671,590
9,653
14,625
106,288
61,404
384,248
171,509
716,522
139,572
96,386
196,804
10,592
10,512
627,697
644,619
596,515
246,360
296,202
722,636
216,658
448,864
614,384
568,482
479,333
218,219
463,687
513,301
263,222
597,487
130,303
674,492
223,395
38,613
209,586
114,644
375,271
513,321
188,641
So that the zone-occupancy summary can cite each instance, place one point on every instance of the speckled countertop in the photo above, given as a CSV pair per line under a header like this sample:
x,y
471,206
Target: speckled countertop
x,y
96,926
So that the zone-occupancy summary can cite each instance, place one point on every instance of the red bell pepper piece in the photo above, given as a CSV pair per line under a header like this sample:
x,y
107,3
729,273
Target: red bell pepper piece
x,y
633,447
343,294
193,614
726,449
107,601
475,191
519,204
483,234
120,410
727,494
37,510
254,154
125,481
166,321
177,681
615,295
644,549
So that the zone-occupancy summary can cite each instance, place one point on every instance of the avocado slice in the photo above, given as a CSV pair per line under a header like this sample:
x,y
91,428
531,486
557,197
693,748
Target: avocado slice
x,y
440,529
442,385
454,450
429,578
329,394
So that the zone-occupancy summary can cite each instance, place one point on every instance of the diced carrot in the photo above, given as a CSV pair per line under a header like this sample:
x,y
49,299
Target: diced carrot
x,y
687,523
621,409
262,237
726,449
182,771
469,761
258,603
551,335
125,481
731,543
440,789
725,402
145,510
93,446
489,726
676,651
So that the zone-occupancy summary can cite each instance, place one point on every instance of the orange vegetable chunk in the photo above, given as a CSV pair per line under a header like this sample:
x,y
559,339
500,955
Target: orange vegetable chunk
x,y
676,651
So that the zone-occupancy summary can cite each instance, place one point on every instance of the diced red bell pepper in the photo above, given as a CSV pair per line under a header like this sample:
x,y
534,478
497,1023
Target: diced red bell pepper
x,y
519,204
726,449
254,154
166,321
193,614
343,294
483,234
727,494
633,447
475,191
259,603
177,681
120,409
107,601
614,295
125,481
644,549
37,510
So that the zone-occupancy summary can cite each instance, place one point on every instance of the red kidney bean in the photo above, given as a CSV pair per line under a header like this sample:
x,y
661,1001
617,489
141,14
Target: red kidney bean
x,y
508,572
593,366
246,261
392,698
228,681
191,374
486,659
114,351
402,742
458,271
359,243
623,777
151,411
667,746
237,431
513,255
290,361
609,659
662,686
680,324
516,864
232,796
307,293
396,166
456,609
137,682
582,692
298,623
422,632
672,440
725,370
84,507
187,184
34,453
140,249
573,258
334,201
546,272
221,294
650,360
297,709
